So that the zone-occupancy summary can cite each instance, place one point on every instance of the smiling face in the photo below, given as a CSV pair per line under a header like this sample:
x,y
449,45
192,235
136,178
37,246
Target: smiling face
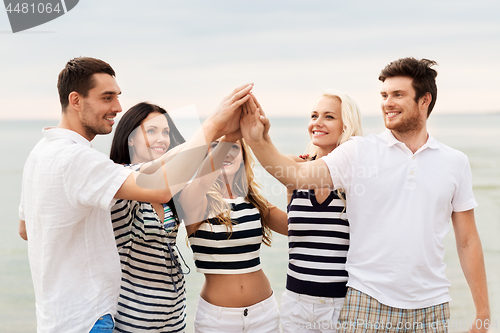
x,y
401,113
325,125
155,128
100,107
233,160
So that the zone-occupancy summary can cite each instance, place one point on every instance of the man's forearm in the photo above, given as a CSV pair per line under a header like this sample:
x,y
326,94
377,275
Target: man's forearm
x,y
471,257
472,262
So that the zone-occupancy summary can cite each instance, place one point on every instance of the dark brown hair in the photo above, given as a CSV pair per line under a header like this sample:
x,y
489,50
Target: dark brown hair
x,y
131,120
77,76
424,77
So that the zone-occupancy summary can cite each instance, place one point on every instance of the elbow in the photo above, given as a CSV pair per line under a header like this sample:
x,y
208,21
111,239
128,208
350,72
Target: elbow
x,y
165,196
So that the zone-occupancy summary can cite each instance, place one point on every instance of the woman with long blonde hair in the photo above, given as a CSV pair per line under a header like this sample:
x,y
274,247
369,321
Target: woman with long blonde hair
x,y
227,219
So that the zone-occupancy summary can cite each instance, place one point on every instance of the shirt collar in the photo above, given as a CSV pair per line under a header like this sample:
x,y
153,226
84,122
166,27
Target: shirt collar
x,y
391,140
55,133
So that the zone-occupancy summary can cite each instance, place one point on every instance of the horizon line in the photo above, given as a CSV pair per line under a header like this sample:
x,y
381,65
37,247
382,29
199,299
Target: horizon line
x,y
482,113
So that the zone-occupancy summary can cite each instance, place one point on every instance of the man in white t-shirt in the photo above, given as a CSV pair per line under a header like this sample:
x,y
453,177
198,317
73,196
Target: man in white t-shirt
x,y
402,186
67,192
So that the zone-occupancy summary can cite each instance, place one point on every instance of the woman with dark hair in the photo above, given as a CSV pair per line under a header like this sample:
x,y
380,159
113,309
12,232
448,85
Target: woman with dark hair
x,y
131,120
152,295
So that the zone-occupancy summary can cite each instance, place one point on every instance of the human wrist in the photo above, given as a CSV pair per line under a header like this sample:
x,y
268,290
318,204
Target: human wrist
x,y
210,131
226,139
483,315
257,144
267,137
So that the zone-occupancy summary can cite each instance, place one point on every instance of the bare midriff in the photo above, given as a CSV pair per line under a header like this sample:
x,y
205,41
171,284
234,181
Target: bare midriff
x,y
236,290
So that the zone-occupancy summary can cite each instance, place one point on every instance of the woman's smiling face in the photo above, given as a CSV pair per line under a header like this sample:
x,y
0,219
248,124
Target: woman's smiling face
x,y
234,158
155,128
325,125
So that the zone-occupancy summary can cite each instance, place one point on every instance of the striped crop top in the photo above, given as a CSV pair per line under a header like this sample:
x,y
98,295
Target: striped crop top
x,y
218,251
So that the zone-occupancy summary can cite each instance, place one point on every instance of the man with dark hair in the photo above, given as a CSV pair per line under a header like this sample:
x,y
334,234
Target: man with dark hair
x,y
422,73
67,192
402,186
77,76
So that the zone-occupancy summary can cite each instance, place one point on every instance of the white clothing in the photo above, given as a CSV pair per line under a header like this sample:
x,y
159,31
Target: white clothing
x,y
263,317
306,314
67,193
399,206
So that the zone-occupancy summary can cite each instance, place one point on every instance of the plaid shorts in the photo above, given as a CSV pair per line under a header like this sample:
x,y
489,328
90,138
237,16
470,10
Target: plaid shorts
x,y
362,313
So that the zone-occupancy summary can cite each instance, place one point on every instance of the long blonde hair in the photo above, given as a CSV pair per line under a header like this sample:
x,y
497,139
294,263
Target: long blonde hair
x,y
244,185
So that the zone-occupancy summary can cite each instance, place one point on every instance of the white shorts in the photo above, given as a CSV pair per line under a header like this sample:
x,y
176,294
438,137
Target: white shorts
x,y
263,317
304,313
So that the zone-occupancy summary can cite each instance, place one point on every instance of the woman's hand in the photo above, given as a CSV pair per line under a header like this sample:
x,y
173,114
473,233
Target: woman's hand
x,y
233,136
262,117
253,124
226,119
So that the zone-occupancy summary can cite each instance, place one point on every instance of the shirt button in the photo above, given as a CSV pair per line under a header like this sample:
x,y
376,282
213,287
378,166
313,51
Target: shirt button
x,y
413,157
411,173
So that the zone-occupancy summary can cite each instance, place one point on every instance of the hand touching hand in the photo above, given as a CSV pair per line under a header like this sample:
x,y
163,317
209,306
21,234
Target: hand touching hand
x,y
226,118
254,126
263,118
233,136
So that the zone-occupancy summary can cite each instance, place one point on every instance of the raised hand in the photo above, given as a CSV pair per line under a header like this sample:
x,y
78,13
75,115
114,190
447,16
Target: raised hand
x,y
226,118
262,117
251,125
233,136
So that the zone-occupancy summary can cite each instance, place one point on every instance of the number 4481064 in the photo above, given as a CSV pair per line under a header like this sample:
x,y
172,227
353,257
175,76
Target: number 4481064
x,y
32,8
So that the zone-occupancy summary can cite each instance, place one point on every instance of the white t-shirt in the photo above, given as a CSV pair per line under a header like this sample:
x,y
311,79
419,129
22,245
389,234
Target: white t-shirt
x,y
67,193
399,206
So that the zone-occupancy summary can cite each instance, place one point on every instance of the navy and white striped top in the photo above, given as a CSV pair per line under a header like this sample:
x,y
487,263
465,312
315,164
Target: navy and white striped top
x,y
219,251
318,241
152,296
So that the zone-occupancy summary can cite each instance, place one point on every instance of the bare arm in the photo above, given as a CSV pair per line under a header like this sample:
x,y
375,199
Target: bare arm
x,y
289,191
193,197
22,230
471,257
131,191
277,220
168,175
292,174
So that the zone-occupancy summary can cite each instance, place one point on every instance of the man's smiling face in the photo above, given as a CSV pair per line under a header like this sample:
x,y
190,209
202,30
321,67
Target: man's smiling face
x,y
101,106
400,111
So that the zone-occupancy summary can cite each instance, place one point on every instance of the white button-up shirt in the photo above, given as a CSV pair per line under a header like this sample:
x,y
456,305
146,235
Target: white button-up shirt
x,y
399,206
67,192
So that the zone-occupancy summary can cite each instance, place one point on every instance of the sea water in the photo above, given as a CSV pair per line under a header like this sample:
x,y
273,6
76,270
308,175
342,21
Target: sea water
x,y
478,136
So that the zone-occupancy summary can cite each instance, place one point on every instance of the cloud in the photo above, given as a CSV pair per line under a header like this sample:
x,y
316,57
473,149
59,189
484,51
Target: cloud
x,y
179,53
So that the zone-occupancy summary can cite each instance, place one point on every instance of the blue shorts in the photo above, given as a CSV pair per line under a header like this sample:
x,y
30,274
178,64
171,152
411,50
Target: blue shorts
x,y
105,324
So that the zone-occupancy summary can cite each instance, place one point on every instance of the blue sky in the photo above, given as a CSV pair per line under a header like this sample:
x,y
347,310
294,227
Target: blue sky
x,y
177,53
